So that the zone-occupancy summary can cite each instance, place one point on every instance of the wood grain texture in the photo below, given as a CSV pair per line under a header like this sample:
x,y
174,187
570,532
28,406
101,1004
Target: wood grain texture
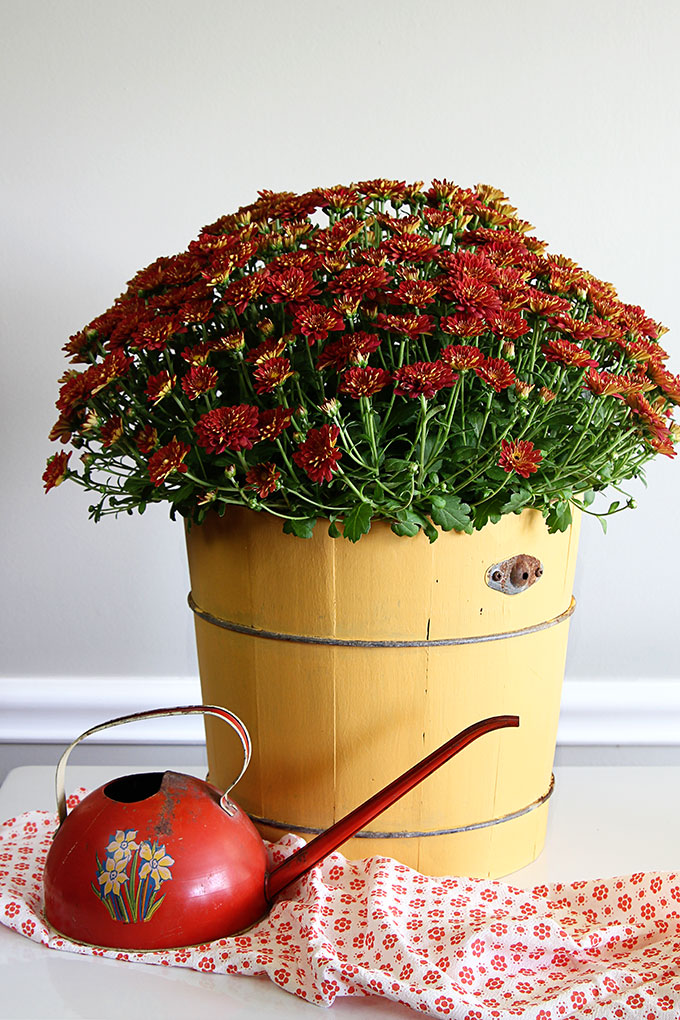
x,y
332,725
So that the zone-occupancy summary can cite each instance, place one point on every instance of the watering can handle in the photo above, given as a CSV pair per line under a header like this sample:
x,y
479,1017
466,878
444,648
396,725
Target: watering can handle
x,y
222,713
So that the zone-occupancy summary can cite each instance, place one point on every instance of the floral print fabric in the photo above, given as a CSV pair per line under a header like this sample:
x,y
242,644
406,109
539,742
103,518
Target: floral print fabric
x,y
467,949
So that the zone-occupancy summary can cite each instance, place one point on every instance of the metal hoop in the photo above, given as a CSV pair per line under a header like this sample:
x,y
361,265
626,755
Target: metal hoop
x,y
307,639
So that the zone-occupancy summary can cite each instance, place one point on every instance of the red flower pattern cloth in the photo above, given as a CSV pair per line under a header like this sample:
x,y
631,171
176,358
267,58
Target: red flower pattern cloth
x,y
467,949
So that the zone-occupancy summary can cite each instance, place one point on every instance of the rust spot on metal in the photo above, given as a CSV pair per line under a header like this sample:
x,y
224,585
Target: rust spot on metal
x,y
173,791
515,574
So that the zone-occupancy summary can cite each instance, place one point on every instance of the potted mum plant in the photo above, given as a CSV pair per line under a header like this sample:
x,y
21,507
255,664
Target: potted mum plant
x,y
409,366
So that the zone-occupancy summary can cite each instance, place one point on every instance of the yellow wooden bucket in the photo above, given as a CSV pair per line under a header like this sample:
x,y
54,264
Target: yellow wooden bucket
x,y
349,663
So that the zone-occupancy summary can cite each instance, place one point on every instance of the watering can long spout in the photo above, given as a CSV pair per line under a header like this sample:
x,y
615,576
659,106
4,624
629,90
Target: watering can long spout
x,y
307,857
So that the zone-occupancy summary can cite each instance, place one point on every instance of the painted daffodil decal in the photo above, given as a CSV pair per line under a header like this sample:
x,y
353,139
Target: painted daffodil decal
x,y
130,876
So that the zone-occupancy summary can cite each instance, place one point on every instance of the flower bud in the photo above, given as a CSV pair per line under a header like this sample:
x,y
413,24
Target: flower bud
x,y
546,395
632,503
266,327
330,407
523,389
508,349
229,471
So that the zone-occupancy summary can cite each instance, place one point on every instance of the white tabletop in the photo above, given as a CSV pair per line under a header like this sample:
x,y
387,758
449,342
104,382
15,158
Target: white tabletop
x,y
603,821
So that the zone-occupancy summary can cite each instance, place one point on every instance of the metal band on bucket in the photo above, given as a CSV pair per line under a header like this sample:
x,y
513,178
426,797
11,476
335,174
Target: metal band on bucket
x,y
368,834
308,639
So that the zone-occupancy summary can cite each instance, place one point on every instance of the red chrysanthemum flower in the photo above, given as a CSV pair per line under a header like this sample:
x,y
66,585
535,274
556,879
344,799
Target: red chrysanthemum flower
x,y
334,239
462,356
273,421
168,459
605,384
316,321
74,392
659,434
644,350
111,431
411,248
198,310
636,321
668,383
547,304
437,218
273,347
468,265
55,472
290,285
411,326
364,382
418,293
158,386
153,334
113,367
264,478
240,293
228,428
198,380
519,455
231,342
318,455
564,352
63,429
80,344
199,354
382,188
146,440
361,282
576,329
223,263
347,350
496,373
338,198
423,379
471,296
508,323
464,326
270,373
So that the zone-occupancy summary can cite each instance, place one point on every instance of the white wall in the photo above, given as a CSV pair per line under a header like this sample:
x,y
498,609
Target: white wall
x,y
127,125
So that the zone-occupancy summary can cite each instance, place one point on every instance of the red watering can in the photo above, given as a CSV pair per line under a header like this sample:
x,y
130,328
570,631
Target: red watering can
x,y
163,860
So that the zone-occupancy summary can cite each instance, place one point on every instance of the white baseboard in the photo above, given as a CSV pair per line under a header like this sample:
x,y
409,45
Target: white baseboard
x,y
56,709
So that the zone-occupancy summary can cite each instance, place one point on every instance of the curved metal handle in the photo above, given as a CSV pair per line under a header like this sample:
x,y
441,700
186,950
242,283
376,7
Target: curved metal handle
x,y
222,713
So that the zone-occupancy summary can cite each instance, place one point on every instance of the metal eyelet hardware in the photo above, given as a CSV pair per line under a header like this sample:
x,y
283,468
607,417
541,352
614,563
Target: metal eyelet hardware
x,y
514,575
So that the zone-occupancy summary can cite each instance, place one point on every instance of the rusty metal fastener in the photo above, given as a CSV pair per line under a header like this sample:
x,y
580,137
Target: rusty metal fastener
x,y
515,574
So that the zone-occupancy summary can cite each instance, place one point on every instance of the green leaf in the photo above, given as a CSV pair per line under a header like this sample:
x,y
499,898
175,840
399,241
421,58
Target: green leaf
x,y
485,515
407,523
395,466
430,530
588,497
603,522
474,419
461,454
357,522
518,500
303,528
559,516
454,515
334,530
